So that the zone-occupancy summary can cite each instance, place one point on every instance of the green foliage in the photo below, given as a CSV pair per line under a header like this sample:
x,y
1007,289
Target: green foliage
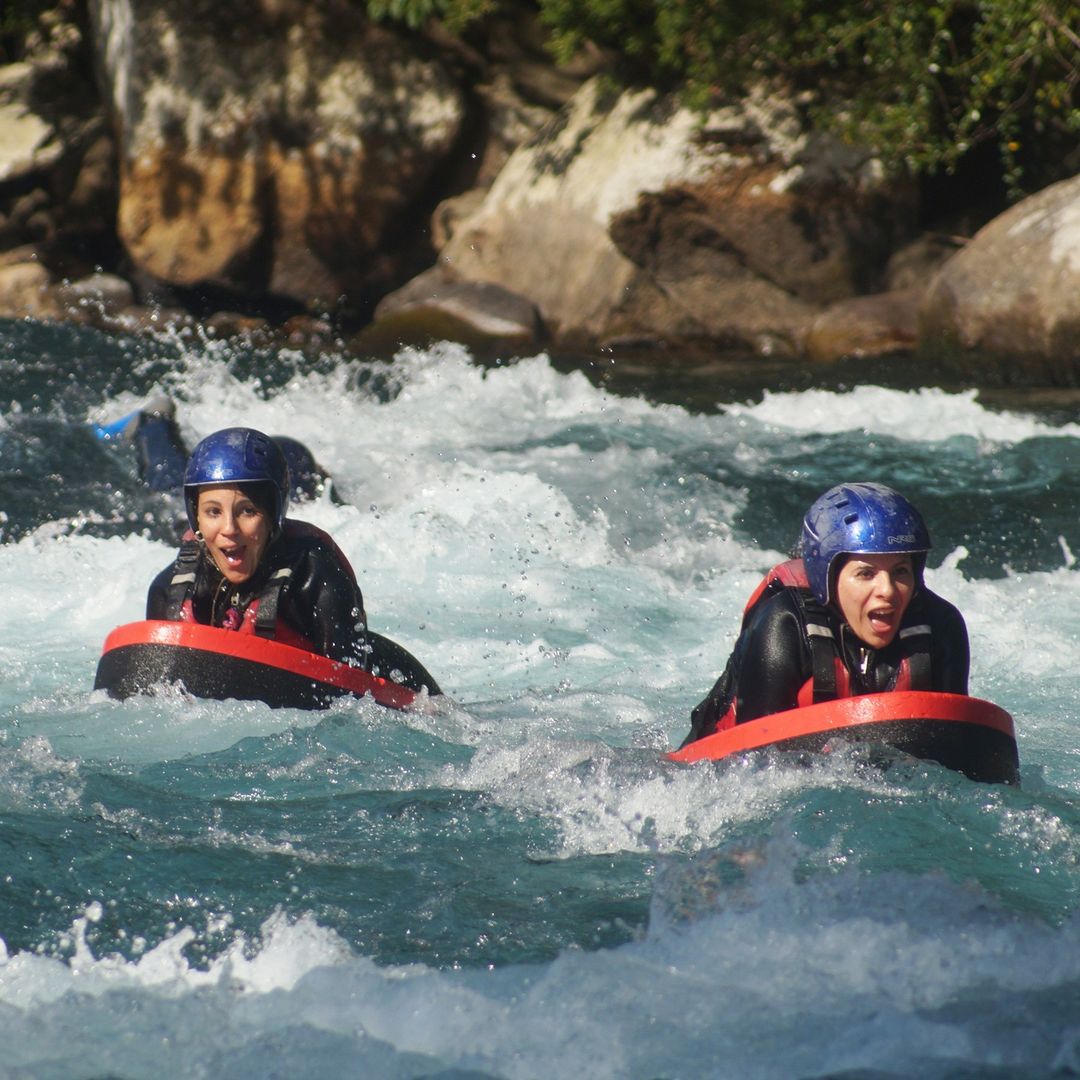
x,y
924,81
929,82
17,19
455,14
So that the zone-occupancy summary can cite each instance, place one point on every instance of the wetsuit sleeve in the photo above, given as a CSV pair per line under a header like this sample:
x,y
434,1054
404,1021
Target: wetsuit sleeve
x,y
162,454
950,656
707,714
766,669
324,604
157,599
773,662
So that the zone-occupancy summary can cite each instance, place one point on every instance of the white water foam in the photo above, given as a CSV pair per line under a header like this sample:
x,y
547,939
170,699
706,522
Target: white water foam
x,y
925,415
746,971
575,617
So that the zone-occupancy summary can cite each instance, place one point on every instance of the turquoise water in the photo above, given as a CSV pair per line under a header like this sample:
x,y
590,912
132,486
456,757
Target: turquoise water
x,y
515,883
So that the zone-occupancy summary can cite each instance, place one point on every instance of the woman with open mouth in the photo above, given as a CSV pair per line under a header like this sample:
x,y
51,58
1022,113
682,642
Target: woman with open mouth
x,y
245,566
851,616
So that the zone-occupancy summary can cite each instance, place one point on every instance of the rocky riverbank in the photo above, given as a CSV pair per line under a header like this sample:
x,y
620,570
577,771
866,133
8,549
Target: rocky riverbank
x,y
292,170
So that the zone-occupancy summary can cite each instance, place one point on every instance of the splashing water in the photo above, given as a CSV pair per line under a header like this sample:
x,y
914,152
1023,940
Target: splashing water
x,y
518,884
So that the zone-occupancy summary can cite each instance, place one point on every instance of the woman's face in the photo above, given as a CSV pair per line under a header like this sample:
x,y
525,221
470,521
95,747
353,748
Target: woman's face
x,y
234,529
873,592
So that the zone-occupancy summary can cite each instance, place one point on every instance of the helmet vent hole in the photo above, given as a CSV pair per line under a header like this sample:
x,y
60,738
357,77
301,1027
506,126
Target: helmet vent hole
x,y
850,519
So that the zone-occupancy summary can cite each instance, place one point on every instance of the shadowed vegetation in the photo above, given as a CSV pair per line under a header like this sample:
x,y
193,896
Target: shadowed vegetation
x,y
925,83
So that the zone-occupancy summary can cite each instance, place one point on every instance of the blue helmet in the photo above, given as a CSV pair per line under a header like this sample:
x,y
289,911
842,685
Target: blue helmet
x,y
237,456
862,519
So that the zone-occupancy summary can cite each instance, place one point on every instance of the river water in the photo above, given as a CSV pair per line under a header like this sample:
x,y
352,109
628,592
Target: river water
x,y
517,884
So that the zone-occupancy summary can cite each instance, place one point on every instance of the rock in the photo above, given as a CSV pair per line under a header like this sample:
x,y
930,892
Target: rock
x,y
865,326
307,332
55,149
189,219
26,291
914,265
96,295
269,147
25,147
15,81
25,253
485,317
26,138
94,188
1015,288
450,213
230,324
632,216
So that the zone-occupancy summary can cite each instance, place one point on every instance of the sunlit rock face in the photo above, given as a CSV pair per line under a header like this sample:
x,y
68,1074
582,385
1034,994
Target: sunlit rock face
x,y
267,146
1015,287
57,182
631,216
27,143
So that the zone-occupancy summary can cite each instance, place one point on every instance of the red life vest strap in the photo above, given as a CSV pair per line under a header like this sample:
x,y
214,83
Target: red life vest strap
x,y
261,615
791,573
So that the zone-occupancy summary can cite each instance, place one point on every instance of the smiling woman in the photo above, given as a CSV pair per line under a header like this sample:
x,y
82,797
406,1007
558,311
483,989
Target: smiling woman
x,y
256,606
851,616
246,567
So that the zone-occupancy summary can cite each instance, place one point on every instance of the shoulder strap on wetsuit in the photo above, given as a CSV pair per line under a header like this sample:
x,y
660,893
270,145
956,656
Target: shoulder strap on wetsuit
x,y
824,648
266,606
183,579
915,642
267,609
913,672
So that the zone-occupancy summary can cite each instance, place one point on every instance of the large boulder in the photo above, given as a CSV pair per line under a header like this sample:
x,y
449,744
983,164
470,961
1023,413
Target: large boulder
x,y
486,317
57,182
28,142
634,218
269,145
26,287
1014,289
865,326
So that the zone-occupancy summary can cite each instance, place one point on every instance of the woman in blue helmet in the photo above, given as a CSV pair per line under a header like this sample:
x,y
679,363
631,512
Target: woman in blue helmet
x,y
851,616
245,566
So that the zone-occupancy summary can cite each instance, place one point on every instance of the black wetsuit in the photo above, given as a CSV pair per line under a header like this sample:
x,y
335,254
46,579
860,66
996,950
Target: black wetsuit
x,y
772,659
319,601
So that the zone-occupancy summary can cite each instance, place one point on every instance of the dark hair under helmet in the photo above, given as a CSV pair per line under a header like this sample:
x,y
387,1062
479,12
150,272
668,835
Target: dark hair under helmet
x,y
859,519
237,456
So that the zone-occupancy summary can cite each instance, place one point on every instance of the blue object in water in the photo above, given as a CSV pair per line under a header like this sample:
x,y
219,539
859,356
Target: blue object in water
x,y
118,429
153,432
